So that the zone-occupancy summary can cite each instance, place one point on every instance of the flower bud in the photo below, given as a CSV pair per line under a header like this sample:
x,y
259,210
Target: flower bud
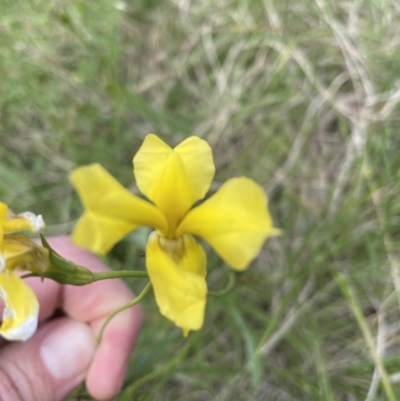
x,y
63,271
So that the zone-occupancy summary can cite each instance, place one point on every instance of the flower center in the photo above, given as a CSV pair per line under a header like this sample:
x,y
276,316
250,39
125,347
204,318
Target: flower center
x,y
172,246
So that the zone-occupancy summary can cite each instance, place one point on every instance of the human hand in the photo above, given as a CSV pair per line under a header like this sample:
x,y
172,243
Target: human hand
x,y
63,351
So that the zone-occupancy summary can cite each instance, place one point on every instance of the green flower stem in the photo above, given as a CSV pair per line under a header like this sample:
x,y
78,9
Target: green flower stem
x,y
120,274
135,301
227,289
97,276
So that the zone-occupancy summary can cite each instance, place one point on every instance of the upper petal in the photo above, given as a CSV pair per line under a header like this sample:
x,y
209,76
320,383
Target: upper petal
x,y
174,178
235,221
179,285
11,222
21,310
111,211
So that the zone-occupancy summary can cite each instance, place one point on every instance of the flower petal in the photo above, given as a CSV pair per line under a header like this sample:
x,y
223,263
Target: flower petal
x,y
174,178
111,210
15,246
2,257
23,221
21,253
21,308
235,221
179,286
194,258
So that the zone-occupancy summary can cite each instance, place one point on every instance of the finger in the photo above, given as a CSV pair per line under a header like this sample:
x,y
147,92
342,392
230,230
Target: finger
x,y
93,304
48,293
49,365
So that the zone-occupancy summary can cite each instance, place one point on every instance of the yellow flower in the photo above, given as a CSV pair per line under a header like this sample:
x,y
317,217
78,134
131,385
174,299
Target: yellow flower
x,y
17,252
234,221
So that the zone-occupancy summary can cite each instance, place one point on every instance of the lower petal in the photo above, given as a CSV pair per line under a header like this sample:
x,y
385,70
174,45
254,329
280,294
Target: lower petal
x,y
179,286
21,310
194,258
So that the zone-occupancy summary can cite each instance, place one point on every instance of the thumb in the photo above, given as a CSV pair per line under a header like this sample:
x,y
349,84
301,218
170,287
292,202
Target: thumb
x,y
48,366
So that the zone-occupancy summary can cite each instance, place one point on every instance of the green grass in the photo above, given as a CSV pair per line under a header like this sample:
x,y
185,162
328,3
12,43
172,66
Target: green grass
x,y
303,97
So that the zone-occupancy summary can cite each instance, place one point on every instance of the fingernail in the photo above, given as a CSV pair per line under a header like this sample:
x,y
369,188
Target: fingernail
x,y
67,350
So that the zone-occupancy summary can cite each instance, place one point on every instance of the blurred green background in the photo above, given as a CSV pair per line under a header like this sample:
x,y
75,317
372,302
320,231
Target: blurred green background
x,y
300,95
